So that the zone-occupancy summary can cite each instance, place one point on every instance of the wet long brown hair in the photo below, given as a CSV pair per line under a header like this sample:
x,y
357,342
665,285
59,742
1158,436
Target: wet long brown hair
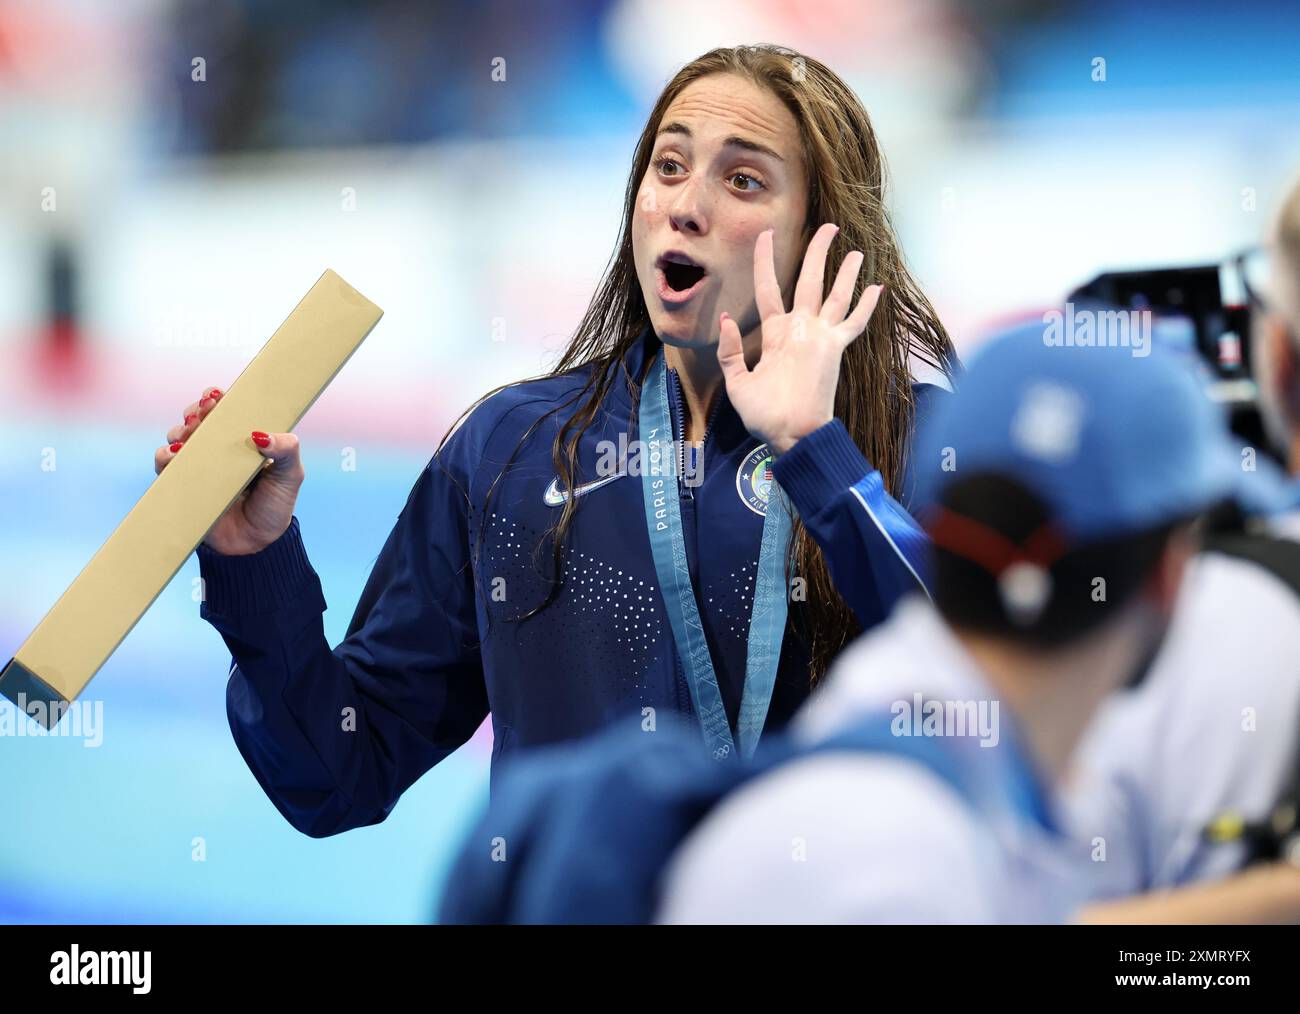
x,y
874,394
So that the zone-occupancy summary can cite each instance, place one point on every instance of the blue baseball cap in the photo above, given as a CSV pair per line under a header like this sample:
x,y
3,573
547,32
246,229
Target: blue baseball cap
x,y
1115,439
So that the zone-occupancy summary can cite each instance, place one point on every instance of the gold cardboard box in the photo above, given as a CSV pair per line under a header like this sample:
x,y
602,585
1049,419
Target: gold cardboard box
x,y
145,551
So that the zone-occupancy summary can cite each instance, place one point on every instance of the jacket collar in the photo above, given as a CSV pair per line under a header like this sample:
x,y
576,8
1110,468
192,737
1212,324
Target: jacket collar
x,y
635,361
726,427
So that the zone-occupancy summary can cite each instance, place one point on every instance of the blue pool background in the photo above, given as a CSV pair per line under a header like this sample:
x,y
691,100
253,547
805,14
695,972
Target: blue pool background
x,y
104,834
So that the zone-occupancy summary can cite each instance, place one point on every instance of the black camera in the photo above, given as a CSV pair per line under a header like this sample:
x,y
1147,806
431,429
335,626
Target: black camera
x,y
1204,311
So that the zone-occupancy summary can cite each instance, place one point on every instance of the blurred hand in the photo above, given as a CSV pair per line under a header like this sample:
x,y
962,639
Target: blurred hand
x,y
791,391
263,511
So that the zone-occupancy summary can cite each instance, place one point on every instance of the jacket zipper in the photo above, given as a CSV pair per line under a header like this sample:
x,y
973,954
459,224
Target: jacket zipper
x,y
680,426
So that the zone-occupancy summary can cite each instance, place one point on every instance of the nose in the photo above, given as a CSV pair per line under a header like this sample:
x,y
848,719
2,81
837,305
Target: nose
x,y
688,212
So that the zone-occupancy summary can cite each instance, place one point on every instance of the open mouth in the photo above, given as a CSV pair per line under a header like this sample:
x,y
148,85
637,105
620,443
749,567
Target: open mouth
x,y
678,276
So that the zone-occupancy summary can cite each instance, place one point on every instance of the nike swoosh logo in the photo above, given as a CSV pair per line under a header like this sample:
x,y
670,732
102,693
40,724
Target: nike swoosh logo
x,y
556,497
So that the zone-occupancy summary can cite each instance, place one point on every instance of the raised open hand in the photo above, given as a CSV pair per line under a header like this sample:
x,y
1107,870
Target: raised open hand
x,y
791,390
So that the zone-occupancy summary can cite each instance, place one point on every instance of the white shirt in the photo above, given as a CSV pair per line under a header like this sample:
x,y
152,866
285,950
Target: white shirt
x,y
867,837
1214,727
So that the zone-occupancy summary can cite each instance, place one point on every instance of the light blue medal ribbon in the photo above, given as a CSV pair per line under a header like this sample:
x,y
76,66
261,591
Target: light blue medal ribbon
x,y
766,621
668,545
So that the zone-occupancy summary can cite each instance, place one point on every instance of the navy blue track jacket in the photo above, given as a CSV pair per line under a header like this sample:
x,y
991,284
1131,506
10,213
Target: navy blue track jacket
x,y
436,643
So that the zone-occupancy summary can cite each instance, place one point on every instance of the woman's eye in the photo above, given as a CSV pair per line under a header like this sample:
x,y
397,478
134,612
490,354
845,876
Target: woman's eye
x,y
663,164
746,180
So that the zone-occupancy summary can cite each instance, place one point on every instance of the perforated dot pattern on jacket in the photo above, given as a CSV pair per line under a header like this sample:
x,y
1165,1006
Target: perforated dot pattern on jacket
x,y
604,620
730,600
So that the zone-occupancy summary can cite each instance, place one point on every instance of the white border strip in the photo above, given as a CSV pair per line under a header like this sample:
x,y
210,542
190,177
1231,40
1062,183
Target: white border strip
x,y
890,539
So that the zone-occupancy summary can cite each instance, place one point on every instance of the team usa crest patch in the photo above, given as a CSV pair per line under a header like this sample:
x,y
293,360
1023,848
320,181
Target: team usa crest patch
x,y
754,479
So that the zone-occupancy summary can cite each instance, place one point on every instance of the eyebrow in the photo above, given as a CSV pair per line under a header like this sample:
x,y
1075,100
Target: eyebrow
x,y
735,141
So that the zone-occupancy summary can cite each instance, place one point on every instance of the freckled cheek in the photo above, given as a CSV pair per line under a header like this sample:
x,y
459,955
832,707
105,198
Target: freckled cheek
x,y
645,221
788,255
649,202
739,234
640,241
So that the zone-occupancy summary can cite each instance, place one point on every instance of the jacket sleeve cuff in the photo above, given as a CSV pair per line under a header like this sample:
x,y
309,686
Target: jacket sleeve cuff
x,y
820,467
259,582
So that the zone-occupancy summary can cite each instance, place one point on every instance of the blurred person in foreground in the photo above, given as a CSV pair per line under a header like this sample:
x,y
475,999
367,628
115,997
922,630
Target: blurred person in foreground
x,y
1195,775
919,785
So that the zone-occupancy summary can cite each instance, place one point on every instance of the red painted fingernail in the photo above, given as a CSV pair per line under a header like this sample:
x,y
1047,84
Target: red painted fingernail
x,y
176,446
189,417
215,393
261,439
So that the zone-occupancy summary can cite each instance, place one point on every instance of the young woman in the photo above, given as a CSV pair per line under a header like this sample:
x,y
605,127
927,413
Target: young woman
x,y
653,525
